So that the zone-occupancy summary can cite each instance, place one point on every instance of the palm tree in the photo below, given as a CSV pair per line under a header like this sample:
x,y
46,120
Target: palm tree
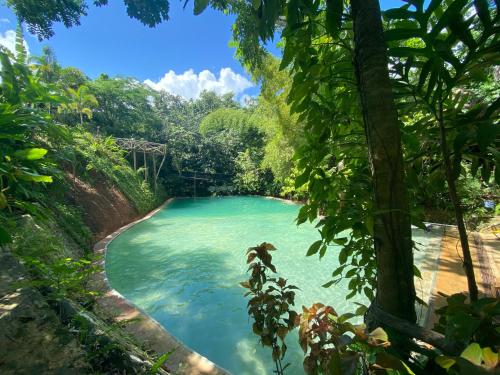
x,y
47,68
81,102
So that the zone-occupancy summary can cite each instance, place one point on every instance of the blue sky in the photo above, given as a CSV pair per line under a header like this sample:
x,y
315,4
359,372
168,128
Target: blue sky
x,y
108,41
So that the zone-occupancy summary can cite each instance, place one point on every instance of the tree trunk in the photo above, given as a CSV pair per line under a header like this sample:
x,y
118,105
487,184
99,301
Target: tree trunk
x,y
455,200
392,225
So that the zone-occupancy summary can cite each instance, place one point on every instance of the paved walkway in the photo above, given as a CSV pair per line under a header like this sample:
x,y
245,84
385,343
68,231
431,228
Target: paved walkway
x,y
451,279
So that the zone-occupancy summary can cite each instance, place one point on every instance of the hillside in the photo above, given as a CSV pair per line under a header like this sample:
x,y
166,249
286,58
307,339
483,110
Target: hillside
x,y
46,301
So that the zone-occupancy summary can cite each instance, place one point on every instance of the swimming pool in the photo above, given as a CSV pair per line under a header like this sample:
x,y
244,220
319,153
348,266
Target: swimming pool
x,y
183,267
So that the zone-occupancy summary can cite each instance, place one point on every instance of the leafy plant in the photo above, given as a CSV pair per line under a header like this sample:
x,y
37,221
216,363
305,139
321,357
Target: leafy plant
x,y
436,52
270,303
64,278
160,361
474,360
22,159
331,344
466,322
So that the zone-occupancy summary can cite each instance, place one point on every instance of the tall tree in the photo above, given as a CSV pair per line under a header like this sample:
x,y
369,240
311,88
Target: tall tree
x,y
392,225
307,25
47,67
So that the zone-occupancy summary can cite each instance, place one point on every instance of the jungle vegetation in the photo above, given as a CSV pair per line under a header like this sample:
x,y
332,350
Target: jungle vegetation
x,y
375,120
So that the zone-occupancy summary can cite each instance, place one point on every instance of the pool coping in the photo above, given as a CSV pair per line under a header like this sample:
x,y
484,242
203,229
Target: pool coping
x,y
151,334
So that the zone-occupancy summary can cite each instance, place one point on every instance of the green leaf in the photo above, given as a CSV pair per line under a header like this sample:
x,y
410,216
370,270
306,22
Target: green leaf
x,y
35,177
361,310
369,293
399,14
338,271
3,201
200,6
334,9
369,223
5,236
343,255
30,153
302,179
416,272
313,249
303,214
322,251
340,241
473,354
288,55
351,272
328,284
402,34
160,361
486,134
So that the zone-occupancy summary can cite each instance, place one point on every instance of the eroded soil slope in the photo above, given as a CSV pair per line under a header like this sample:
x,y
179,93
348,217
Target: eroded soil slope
x,y
105,207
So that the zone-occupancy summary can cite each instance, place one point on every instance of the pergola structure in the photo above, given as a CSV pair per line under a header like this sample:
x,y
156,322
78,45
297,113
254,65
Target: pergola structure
x,y
146,148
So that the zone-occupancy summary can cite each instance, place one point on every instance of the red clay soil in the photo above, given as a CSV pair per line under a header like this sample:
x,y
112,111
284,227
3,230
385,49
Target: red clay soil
x,y
106,208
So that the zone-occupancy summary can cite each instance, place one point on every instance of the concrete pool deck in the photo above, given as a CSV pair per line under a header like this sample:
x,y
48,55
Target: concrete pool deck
x,y
441,270
450,276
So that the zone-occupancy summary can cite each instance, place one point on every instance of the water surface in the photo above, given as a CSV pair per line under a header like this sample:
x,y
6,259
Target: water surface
x,y
183,267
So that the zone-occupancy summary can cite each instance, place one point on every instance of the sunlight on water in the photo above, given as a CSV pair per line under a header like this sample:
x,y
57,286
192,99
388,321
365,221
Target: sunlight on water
x,y
184,264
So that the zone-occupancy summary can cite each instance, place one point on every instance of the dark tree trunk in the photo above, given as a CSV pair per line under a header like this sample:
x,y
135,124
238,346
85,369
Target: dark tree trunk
x,y
392,225
457,206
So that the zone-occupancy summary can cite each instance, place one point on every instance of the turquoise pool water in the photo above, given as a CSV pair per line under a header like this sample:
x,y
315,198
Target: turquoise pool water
x,y
183,267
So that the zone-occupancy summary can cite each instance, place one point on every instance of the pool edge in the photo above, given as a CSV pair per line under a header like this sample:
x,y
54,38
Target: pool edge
x,y
142,326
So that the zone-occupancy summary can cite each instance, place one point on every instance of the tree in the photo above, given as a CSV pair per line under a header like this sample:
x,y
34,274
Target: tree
x,y
442,50
72,77
81,102
247,178
283,132
308,25
126,108
40,15
47,68
392,225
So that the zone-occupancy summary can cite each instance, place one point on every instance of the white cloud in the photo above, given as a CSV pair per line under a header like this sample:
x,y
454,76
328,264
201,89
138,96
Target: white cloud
x,y
8,40
190,85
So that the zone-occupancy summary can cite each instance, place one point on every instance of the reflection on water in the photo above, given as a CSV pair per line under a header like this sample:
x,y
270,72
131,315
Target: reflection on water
x,y
183,267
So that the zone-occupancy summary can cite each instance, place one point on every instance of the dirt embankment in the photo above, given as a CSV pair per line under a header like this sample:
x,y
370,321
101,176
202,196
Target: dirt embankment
x,y
105,207
35,336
